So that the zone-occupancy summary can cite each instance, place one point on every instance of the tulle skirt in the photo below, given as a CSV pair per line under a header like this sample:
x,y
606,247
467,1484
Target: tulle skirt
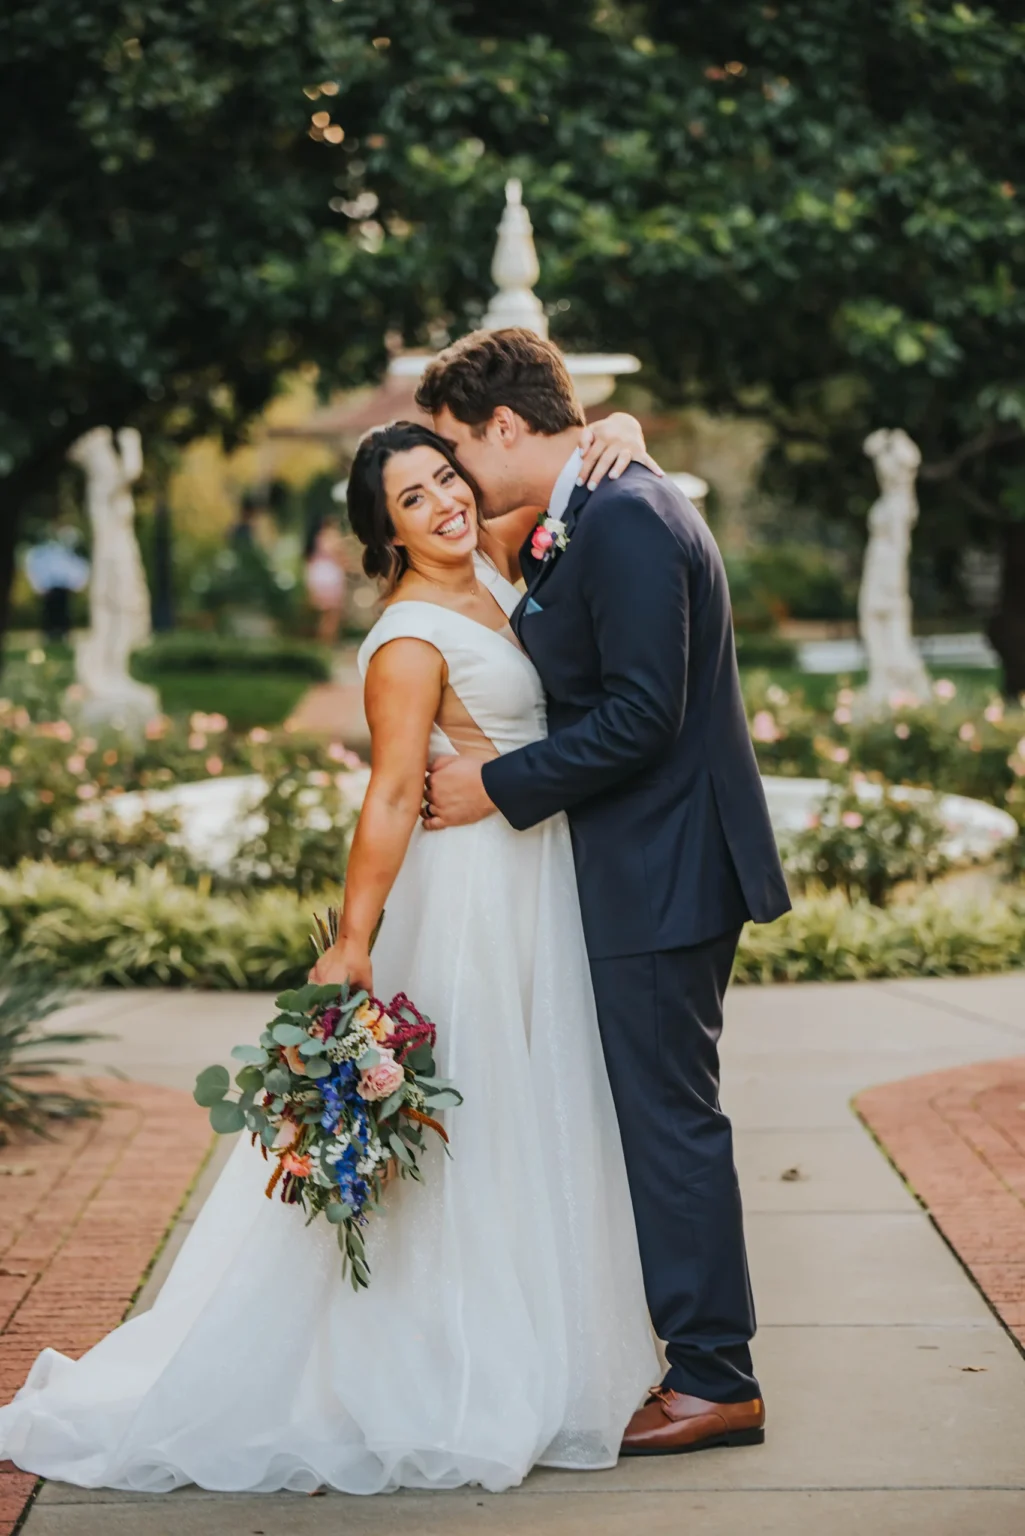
x,y
505,1323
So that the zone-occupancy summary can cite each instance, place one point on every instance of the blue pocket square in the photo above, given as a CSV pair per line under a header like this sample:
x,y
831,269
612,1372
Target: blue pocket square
x,y
532,607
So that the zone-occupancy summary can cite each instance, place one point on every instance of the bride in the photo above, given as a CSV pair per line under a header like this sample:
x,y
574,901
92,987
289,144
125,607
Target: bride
x,y
505,1323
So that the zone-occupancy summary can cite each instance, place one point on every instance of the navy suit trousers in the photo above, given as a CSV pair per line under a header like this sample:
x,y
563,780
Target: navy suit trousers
x,y
660,1017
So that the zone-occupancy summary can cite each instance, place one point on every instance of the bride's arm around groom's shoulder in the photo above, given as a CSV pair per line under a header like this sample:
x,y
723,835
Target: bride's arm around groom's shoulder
x,y
633,572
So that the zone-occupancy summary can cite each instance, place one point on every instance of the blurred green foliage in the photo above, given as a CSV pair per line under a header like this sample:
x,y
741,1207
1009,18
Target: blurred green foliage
x,y
810,213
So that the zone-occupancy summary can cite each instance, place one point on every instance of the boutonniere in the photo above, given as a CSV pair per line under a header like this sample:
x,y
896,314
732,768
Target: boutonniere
x,y
549,534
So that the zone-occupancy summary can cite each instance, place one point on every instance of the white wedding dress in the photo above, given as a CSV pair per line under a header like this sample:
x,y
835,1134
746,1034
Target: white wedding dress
x,y
505,1323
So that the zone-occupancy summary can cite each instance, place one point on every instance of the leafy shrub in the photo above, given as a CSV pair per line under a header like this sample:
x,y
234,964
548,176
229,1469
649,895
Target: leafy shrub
x,y
51,775
765,650
186,651
825,938
241,577
798,581
26,1059
943,745
306,844
866,847
97,837
95,928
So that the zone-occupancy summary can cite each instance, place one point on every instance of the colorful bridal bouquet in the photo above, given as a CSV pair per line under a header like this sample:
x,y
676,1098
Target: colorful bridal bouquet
x,y
339,1093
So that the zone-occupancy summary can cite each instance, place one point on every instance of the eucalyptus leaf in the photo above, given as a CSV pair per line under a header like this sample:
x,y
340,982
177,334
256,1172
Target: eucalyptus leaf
x,y
289,1034
211,1086
278,1080
313,1047
421,1059
269,1135
392,1103
317,1067
400,1149
226,1116
369,1059
444,1098
250,1079
251,1053
336,1212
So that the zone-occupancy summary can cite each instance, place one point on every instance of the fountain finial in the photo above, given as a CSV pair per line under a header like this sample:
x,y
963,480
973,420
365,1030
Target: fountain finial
x,y
515,269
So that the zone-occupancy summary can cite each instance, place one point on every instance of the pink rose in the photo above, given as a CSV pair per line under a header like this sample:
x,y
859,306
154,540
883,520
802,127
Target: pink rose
x,y
540,543
380,1081
764,727
852,819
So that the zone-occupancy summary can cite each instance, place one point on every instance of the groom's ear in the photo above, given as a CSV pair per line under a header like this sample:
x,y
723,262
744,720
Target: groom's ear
x,y
506,427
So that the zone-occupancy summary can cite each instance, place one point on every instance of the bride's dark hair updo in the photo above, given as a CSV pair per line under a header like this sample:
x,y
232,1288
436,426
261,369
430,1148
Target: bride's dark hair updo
x,y
367,504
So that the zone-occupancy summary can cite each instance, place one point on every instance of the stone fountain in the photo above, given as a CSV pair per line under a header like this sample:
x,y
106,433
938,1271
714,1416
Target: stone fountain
x,y
515,269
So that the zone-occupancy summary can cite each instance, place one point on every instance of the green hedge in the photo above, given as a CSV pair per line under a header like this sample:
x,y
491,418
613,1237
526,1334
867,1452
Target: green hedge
x,y
189,651
95,928
826,939
765,650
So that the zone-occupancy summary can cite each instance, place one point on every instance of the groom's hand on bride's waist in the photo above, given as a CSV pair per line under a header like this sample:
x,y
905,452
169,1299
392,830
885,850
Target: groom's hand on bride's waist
x,y
454,794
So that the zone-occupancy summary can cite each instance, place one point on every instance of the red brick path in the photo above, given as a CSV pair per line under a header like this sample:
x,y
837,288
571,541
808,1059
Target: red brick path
x,y
958,1138
80,1220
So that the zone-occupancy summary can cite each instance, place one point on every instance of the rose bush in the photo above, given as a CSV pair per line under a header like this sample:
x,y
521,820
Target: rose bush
x,y
57,784
949,745
866,847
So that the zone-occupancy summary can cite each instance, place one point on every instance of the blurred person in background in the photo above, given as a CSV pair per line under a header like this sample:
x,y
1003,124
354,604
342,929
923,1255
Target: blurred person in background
x,y
325,572
55,570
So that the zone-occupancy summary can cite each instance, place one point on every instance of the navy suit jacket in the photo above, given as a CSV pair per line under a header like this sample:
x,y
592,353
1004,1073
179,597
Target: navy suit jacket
x,y
648,748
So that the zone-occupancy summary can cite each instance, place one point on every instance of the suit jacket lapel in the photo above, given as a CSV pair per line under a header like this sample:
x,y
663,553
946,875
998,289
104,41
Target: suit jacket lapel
x,y
537,571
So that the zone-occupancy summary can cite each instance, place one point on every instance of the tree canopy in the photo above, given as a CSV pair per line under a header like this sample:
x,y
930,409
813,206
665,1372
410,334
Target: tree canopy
x,y
810,212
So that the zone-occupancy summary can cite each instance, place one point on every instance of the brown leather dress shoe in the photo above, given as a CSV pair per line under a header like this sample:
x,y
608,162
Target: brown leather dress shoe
x,y
671,1423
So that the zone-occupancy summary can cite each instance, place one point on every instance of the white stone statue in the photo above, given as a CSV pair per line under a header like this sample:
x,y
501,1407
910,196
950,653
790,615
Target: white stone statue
x,y
895,668
119,605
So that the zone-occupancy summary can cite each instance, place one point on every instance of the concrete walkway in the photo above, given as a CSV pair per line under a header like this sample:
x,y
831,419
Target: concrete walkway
x,y
896,1399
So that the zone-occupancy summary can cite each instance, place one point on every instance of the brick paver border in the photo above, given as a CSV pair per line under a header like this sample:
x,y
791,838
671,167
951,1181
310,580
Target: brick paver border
x,y
82,1218
958,1138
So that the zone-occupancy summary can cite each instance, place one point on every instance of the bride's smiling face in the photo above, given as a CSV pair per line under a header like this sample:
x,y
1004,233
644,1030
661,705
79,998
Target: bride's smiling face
x,y
431,507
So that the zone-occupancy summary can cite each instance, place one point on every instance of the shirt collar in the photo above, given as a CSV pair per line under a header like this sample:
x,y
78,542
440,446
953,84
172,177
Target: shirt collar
x,y
565,485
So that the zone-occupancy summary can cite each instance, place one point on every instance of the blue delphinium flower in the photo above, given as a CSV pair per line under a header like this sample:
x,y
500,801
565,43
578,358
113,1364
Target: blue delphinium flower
x,y
351,1187
339,1091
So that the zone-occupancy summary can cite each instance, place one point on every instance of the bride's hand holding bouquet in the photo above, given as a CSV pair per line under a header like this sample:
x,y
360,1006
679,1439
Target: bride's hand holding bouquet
x,y
345,960
339,1092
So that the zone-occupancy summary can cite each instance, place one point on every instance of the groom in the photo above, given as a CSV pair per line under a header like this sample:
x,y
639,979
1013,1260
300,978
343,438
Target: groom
x,y
627,619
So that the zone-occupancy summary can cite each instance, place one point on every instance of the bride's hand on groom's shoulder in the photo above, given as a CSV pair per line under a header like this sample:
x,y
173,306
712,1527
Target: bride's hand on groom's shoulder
x,y
345,961
610,445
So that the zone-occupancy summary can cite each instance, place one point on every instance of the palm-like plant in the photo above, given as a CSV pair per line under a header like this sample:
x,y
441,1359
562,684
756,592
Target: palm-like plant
x,y
26,1057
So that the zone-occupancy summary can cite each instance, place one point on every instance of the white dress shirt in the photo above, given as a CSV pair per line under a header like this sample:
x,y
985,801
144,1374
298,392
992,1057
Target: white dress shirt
x,y
564,487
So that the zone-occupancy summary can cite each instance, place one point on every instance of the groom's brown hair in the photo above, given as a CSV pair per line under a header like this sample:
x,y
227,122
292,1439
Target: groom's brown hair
x,y
513,367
